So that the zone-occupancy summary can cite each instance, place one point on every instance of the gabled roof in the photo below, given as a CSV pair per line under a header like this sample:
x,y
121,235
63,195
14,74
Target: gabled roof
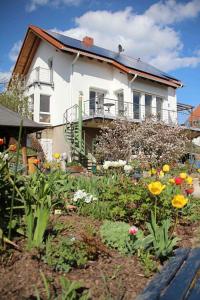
x,y
10,118
127,64
195,115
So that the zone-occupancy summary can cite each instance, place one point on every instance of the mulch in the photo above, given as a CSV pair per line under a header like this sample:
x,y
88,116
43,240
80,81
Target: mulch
x,y
111,276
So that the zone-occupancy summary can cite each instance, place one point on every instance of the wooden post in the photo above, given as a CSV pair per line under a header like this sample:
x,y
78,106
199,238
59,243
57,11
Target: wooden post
x,y
24,152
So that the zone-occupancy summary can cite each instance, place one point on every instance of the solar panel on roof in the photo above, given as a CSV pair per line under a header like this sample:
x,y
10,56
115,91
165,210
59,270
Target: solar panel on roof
x,y
120,58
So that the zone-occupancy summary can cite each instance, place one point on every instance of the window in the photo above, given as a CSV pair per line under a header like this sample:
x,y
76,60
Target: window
x,y
136,105
31,106
148,105
159,108
120,98
44,109
96,102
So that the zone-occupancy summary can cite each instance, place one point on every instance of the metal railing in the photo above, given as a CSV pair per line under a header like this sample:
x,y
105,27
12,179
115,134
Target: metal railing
x,y
40,75
111,108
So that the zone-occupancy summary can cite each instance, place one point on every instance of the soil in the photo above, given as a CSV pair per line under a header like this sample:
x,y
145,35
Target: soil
x,y
111,276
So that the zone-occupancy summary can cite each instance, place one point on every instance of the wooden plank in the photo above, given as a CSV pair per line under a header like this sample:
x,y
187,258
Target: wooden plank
x,y
180,285
162,279
194,294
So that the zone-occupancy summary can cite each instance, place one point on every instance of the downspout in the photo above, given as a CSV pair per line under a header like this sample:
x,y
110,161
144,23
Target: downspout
x,y
133,79
130,82
71,81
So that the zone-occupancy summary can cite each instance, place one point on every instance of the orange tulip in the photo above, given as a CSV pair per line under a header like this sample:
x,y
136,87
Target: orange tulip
x,y
36,161
13,148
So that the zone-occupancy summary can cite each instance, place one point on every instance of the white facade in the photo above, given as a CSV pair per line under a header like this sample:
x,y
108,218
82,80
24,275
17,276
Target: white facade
x,y
71,75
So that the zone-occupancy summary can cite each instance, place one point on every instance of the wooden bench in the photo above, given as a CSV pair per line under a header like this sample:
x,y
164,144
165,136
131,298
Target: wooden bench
x,y
179,279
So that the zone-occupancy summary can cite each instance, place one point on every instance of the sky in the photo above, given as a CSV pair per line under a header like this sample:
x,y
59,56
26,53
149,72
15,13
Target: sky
x,y
162,33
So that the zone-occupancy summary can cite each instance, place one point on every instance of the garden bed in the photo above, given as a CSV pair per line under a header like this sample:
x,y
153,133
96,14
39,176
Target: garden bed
x,y
110,276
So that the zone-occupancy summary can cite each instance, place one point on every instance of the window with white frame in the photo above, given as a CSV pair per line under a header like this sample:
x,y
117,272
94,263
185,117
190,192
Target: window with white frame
x,y
44,109
96,101
136,105
148,105
159,108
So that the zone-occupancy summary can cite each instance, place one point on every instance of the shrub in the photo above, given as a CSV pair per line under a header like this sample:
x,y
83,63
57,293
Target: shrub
x,y
65,253
152,142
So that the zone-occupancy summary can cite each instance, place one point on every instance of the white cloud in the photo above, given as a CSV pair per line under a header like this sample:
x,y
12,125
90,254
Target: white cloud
x,y
14,51
150,35
171,11
34,4
5,76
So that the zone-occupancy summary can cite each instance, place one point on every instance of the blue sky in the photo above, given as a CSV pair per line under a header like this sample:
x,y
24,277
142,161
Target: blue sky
x,y
163,33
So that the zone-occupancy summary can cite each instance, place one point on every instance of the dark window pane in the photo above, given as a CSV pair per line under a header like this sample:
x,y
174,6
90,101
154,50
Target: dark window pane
x,y
136,105
44,103
148,101
159,104
92,102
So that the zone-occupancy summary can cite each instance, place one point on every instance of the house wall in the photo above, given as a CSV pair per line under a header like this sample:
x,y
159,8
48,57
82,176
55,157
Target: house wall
x,y
69,80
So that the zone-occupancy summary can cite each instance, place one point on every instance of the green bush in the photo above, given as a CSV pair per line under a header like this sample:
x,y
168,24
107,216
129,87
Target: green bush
x,y
65,253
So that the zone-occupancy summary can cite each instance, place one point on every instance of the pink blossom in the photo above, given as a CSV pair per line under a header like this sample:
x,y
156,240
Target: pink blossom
x,y
133,230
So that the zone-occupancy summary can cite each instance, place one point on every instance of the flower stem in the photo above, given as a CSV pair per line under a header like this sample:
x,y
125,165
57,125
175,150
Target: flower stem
x,y
155,208
175,223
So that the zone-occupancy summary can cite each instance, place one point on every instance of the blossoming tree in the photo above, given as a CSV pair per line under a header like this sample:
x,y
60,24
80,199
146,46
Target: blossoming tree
x,y
150,142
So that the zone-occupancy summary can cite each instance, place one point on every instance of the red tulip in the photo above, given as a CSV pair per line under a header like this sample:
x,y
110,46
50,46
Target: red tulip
x,y
1,142
178,180
189,191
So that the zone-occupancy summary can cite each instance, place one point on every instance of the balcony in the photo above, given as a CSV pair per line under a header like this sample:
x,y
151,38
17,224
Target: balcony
x,y
111,109
40,76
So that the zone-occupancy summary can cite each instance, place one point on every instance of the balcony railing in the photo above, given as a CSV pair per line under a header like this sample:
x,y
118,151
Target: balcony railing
x,y
111,109
40,76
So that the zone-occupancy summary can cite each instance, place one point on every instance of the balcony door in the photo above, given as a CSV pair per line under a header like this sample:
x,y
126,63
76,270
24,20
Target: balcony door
x,y
136,105
96,102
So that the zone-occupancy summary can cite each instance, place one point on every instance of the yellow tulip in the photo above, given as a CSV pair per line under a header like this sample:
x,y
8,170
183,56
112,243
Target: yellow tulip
x,y
166,168
156,187
189,180
161,174
171,180
183,175
153,171
56,155
198,170
179,201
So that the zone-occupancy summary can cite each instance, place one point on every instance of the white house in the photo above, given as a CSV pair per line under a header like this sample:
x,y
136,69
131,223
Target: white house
x,y
74,86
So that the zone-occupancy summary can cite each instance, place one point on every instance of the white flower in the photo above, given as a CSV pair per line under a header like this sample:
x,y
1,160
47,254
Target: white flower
x,y
122,163
80,194
5,157
106,165
88,198
128,168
